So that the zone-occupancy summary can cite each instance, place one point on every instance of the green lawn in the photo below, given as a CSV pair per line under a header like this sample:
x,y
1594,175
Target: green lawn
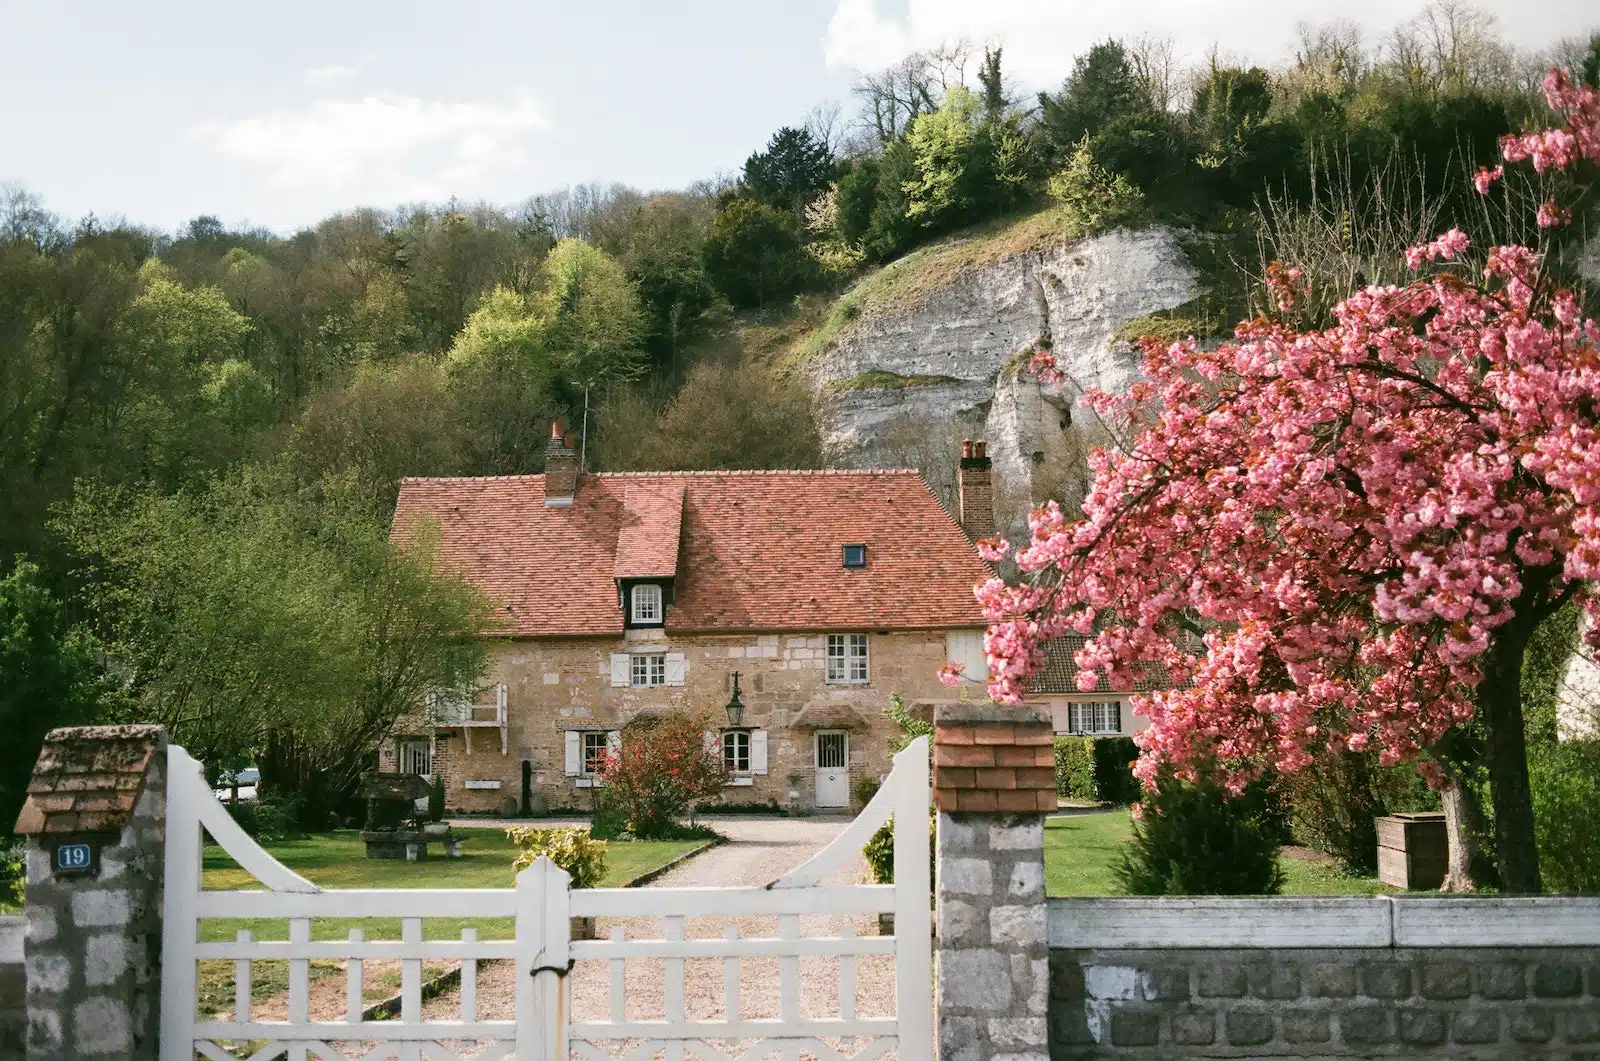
x,y
1080,850
338,860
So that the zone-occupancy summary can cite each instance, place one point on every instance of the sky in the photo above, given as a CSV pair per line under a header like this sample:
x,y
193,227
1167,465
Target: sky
x,y
277,115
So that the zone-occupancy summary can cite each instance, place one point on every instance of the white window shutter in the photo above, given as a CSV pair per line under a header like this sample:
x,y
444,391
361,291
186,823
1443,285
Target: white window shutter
x,y
713,743
574,753
758,751
614,741
621,669
676,667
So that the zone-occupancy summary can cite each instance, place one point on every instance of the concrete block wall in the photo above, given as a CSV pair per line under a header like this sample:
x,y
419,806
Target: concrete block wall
x,y
13,988
1463,980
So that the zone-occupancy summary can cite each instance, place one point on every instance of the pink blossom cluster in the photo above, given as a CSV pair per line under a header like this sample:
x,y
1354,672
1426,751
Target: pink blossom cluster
x,y
1559,148
1342,518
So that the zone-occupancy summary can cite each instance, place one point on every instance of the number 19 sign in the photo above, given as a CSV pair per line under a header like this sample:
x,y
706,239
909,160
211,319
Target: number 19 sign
x,y
75,857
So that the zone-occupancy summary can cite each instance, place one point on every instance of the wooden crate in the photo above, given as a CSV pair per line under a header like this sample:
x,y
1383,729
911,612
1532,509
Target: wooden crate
x,y
1413,850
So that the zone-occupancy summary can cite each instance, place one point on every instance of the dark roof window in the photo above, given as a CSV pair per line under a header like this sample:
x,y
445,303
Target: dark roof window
x,y
855,556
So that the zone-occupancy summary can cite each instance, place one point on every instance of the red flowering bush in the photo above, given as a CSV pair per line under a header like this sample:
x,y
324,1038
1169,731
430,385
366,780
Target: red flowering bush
x,y
664,765
1365,523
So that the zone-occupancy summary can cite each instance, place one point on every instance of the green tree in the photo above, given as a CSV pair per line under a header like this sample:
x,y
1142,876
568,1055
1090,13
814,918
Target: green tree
x,y
754,254
1103,86
794,169
953,162
593,325
50,675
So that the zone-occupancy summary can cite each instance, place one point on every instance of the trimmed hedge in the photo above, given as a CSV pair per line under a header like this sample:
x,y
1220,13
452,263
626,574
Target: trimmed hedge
x,y
1113,770
1074,768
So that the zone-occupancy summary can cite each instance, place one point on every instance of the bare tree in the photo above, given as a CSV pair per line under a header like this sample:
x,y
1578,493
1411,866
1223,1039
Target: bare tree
x,y
825,123
1450,47
1157,69
892,98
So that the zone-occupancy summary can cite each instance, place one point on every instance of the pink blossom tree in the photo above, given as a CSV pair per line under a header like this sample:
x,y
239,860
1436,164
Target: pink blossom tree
x,y
1363,525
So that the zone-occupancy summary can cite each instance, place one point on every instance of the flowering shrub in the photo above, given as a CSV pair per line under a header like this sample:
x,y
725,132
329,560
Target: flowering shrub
x,y
1366,523
664,766
574,850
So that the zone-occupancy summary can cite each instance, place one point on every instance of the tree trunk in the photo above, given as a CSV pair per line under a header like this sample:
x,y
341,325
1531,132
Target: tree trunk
x,y
1500,705
1469,867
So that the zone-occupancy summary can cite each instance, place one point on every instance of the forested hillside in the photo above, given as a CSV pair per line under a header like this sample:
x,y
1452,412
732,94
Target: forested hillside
x,y
202,432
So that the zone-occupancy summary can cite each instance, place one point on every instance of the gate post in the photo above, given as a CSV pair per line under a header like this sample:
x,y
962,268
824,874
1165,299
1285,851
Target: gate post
x,y
544,948
95,822
994,782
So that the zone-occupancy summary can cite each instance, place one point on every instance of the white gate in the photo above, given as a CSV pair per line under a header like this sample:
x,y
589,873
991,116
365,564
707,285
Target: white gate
x,y
540,1027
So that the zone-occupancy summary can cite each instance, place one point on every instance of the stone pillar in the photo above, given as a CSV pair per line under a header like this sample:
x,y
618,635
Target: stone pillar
x,y
994,781
95,822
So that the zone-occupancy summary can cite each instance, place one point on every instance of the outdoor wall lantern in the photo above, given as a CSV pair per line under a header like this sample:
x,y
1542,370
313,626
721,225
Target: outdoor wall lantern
x,y
736,705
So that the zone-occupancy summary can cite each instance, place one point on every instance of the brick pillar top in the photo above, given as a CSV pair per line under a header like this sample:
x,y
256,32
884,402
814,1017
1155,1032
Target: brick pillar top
x,y
87,779
996,758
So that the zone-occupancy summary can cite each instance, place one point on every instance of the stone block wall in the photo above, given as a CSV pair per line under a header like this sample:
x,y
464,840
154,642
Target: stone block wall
x,y
1455,1003
13,988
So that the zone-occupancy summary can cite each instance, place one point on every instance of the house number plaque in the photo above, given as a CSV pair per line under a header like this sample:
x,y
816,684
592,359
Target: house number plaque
x,y
75,858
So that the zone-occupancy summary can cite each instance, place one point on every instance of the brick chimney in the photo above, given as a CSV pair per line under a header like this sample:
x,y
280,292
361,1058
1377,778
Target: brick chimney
x,y
975,481
560,469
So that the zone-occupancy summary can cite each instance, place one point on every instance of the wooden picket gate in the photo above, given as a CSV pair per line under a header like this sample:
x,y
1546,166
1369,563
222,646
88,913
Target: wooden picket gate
x,y
541,1028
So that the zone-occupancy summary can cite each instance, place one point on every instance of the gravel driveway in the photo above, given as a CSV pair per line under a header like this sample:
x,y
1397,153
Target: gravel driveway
x,y
758,851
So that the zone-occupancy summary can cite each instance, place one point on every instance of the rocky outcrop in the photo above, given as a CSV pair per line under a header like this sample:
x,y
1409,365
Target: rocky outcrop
x,y
906,380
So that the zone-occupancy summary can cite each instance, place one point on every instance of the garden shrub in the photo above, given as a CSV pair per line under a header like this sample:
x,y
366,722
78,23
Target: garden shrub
x,y
574,850
879,851
13,872
864,789
1113,769
269,819
663,767
1093,198
436,800
1334,801
1074,768
1565,779
1194,839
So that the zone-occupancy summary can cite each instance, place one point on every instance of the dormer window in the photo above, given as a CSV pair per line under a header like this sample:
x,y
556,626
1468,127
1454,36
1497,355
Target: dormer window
x,y
647,603
855,556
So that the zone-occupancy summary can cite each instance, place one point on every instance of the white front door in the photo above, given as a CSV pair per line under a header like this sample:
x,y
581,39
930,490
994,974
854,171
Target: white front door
x,y
833,768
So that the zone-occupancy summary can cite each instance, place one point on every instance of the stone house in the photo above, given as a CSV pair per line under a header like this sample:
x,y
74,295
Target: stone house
x,y
631,594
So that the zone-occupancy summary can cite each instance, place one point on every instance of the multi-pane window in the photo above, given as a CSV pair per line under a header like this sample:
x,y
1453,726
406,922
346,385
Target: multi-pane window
x,y
1091,718
736,751
594,747
647,604
847,658
416,757
649,668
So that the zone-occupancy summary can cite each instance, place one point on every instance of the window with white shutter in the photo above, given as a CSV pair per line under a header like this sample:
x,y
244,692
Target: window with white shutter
x,y
648,668
621,669
676,667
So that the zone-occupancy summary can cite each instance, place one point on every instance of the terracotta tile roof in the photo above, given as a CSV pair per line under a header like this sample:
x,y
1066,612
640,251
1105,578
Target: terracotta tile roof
x,y
1059,675
652,521
87,779
757,550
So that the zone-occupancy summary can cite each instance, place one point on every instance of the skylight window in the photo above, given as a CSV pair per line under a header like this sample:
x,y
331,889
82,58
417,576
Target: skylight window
x,y
855,556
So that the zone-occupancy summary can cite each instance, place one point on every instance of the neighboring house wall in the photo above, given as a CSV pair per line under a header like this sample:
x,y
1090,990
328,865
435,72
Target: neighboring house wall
x,y
1091,720
13,987
560,685
1578,699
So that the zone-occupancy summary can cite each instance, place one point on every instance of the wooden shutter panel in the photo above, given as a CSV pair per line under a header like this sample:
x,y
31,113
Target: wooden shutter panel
x,y
574,753
621,669
758,751
675,668
713,744
614,741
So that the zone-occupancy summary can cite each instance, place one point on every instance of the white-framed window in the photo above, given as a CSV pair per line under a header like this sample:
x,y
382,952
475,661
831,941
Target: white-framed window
x,y
416,757
736,750
647,604
1093,718
595,744
847,658
648,668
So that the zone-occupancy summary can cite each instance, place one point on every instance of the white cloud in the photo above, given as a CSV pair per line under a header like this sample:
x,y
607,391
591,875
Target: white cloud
x,y
382,146
335,74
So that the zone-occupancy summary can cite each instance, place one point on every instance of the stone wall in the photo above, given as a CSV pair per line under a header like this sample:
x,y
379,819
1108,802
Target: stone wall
x,y
13,988
557,685
1176,993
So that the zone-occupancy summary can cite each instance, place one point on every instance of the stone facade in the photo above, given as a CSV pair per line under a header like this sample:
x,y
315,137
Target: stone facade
x,y
558,684
1448,1003
94,941
992,980
13,988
